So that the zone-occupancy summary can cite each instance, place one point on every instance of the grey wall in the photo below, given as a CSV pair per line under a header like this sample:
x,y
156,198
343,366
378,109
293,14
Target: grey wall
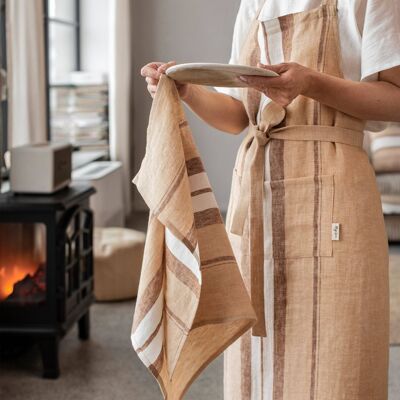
x,y
185,31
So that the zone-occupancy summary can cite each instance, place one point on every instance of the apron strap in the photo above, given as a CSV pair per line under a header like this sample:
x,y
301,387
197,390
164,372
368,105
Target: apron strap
x,y
319,133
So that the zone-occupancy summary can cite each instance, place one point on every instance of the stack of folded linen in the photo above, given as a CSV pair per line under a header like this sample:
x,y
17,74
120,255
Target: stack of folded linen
x,y
384,150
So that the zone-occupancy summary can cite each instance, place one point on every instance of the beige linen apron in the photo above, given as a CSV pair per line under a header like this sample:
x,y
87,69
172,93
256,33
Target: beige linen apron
x,y
306,226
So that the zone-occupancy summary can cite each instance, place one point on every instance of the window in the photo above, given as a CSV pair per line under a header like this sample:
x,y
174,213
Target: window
x,y
3,90
62,37
78,100
63,32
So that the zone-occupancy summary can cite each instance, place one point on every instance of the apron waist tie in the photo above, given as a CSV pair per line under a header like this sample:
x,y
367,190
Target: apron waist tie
x,y
251,177
319,133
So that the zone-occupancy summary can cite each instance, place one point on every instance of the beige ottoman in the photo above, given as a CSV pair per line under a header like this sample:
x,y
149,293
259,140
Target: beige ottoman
x,y
118,255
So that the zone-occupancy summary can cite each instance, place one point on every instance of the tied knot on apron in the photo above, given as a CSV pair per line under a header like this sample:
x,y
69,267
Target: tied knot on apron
x,y
251,163
249,206
261,136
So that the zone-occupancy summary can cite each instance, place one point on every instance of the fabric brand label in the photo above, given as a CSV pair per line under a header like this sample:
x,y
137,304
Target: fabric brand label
x,y
335,231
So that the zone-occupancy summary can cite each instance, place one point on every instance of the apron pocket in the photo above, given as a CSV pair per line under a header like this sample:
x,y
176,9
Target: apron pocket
x,y
301,218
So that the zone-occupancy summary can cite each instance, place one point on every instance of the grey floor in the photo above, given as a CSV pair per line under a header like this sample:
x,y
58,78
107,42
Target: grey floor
x,y
103,368
106,367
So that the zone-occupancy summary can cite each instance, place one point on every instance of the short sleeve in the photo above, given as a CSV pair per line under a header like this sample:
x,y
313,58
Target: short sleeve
x,y
246,14
380,43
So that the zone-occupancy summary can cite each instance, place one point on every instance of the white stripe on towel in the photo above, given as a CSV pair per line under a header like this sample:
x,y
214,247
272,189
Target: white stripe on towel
x,y
149,323
183,254
204,201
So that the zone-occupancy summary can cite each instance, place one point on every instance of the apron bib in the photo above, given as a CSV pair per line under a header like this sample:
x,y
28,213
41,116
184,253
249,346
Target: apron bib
x,y
306,226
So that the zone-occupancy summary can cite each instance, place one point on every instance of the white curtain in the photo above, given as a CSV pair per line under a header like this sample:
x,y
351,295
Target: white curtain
x,y
27,111
120,91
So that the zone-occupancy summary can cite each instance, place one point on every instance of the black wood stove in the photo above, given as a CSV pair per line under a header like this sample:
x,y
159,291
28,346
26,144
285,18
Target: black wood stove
x,y
46,268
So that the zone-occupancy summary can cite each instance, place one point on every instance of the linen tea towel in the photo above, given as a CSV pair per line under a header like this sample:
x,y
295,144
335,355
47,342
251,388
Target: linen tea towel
x,y
192,302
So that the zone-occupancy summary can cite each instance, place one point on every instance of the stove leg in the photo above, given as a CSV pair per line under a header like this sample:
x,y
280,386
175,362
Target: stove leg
x,y
84,326
49,350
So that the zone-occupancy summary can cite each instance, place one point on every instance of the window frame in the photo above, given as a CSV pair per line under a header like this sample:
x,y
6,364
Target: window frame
x,y
76,24
3,65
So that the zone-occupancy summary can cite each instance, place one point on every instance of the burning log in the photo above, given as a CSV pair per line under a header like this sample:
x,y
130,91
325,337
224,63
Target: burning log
x,y
31,289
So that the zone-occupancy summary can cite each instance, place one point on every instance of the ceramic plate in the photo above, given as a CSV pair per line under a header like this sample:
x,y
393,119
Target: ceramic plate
x,y
211,74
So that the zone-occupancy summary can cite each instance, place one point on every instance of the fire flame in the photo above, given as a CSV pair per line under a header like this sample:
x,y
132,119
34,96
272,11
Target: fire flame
x,y
11,275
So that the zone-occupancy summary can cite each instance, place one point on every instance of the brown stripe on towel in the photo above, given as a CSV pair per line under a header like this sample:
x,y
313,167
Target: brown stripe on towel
x,y
190,240
150,338
194,166
218,260
201,191
149,297
182,272
175,184
207,217
177,320
155,368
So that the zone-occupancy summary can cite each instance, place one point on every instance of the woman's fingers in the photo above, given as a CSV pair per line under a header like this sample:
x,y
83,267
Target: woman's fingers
x,y
152,73
152,89
162,68
151,70
280,93
262,82
152,81
278,68
283,89
154,70
153,65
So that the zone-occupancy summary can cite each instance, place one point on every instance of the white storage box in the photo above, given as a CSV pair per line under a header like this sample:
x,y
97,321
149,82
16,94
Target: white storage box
x,y
40,168
107,203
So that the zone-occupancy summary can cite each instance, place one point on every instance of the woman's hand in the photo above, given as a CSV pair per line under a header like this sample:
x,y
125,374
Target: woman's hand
x,y
218,110
153,71
293,80
374,100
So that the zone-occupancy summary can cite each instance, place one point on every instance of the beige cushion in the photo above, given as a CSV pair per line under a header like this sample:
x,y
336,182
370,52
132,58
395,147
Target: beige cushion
x,y
118,255
385,149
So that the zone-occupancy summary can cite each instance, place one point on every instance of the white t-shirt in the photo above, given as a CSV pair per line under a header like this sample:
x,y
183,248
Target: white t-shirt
x,y
369,32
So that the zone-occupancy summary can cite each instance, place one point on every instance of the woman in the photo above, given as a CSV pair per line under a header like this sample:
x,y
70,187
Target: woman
x,y
316,262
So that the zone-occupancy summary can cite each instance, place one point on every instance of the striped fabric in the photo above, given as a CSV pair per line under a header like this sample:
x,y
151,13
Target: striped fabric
x,y
325,295
192,302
